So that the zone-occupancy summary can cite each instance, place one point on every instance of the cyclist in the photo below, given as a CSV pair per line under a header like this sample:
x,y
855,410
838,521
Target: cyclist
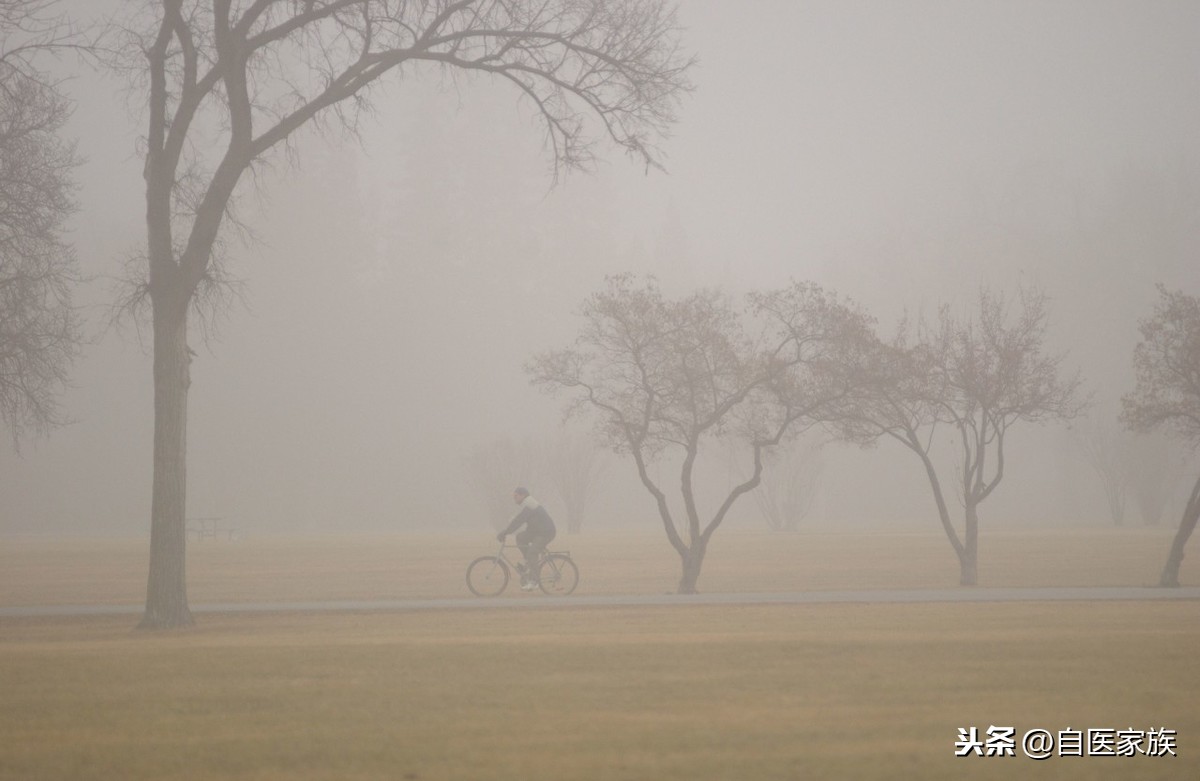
x,y
539,531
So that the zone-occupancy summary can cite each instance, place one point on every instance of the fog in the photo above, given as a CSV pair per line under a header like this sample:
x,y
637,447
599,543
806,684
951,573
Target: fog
x,y
398,281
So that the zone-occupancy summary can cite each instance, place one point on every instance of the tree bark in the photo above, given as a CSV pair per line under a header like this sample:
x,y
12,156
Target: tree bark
x,y
692,561
166,590
1187,524
968,557
935,485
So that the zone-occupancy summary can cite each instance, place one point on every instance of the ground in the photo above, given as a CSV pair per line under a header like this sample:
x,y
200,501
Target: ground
x,y
687,692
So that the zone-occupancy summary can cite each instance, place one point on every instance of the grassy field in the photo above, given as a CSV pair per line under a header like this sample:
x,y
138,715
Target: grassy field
x,y
99,572
781,692
689,692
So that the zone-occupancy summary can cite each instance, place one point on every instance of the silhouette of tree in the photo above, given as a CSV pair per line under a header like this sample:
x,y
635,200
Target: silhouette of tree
x,y
670,376
39,328
1166,396
228,81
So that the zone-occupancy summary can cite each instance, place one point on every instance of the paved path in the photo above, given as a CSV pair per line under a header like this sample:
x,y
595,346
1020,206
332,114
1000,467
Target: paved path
x,y
518,600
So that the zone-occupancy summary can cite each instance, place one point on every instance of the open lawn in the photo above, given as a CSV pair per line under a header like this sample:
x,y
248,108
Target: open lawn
x,y
688,692
773,692
105,572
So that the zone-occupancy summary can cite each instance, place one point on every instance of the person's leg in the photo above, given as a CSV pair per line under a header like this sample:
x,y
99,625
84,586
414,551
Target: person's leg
x,y
526,543
537,544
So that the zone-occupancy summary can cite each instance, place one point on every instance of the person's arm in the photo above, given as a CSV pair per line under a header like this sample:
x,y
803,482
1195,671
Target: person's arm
x,y
518,520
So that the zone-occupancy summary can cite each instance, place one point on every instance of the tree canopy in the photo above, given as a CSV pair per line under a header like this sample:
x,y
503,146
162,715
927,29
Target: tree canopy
x,y
667,375
1166,364
228,81
39,328
980,375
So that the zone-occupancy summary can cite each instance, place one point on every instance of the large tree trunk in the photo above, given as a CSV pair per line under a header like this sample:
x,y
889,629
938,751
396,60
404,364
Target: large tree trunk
x,y
1187,524
968,557
166,591
960,550
691,562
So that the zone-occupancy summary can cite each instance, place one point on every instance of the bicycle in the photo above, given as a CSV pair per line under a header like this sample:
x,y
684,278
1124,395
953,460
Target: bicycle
x,y
488,576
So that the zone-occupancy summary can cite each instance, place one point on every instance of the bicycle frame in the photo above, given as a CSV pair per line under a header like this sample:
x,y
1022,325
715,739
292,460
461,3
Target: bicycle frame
x,y
501,555
554,572
542,554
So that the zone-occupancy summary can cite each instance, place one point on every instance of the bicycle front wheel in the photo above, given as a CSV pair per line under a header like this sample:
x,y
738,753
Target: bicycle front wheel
x,y
558,574
487,576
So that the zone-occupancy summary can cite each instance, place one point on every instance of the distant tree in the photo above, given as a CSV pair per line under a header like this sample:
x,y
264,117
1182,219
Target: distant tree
x,y
902,401
789,483
39,328
670,376
572,464
1166,396
567,464
1109,451
228,81
1156,467
980,377
1142,467
494,470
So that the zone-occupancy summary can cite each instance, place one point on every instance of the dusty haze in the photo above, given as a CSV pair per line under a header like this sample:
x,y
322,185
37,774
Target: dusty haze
x,y
902,154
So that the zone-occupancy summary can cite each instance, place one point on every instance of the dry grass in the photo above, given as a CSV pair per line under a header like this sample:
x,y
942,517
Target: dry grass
x,y
696,693
778,692
78,572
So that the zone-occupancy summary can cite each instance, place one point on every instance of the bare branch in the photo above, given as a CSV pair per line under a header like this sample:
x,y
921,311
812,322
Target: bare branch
x,y
667,374
39,328
1167,369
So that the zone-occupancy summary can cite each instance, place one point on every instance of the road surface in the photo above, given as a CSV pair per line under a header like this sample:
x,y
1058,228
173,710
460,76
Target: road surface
x,y
530,601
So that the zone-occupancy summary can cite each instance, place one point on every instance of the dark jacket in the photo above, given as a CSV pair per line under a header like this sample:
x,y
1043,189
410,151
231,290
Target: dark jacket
x,y
534,517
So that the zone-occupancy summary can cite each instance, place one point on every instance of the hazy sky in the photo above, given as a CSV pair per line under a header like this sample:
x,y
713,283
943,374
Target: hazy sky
x,y
900,153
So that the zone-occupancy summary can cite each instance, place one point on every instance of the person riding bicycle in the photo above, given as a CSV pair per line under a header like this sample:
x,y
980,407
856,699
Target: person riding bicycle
x,y
539,531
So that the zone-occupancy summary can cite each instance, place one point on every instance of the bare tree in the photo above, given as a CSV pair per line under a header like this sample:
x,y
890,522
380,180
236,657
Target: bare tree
x,y
1166,364
567,463
995,373
1156,467
228,81
1143,467
978,376
494,470
39,329
573,463
902,401
789,483
670,376
1109,451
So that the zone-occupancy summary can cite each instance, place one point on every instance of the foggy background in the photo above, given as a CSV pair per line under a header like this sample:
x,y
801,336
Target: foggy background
x,y
900,154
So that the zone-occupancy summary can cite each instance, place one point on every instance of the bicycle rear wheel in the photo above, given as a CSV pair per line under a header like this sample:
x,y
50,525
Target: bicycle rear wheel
x,y
487,576
558,574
